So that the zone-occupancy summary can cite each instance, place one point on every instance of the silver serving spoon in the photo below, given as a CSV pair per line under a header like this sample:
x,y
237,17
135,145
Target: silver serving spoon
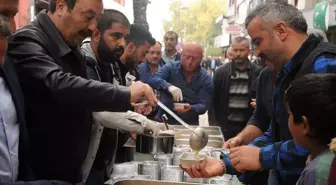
x,y
198,139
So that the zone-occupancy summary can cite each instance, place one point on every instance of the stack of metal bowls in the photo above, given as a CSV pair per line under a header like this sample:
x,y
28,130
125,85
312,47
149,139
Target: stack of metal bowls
x,y
164,159
151,168
172,174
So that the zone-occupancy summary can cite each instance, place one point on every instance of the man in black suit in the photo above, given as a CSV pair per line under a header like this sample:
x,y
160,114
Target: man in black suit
x,y
14,142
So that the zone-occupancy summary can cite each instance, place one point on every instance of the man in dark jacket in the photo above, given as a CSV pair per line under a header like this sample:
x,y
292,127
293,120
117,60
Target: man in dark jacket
x,y
286,44
137,46
14,149
59,100
234,88
102,53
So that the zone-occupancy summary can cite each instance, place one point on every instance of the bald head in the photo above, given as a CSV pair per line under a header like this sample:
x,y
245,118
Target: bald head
x,y
192,55
193,47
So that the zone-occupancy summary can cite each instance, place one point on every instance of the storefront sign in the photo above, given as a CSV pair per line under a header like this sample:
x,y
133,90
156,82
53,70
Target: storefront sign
x,y
332,15
222,40
324,15
320,15
233,29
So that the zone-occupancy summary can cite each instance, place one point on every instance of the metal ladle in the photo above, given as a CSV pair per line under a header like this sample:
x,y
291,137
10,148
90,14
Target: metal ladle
x,y
198,139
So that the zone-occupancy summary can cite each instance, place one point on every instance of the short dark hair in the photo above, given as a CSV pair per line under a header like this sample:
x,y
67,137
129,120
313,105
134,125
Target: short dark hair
x,y
70,3
314,96
240,39
173,32
139,36
5,29
109,17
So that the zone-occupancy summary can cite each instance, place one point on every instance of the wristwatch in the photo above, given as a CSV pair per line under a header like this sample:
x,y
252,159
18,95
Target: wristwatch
x,y
223,166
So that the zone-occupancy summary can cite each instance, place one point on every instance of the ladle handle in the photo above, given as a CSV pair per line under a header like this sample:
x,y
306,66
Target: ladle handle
x,y
178,119
165,119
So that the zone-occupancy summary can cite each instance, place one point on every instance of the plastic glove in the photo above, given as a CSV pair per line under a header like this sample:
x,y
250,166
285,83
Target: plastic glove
x,y
155,127
176,93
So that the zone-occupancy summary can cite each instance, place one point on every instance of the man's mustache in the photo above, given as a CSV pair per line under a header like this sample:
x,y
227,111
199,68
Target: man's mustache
x,y
85,33
119,51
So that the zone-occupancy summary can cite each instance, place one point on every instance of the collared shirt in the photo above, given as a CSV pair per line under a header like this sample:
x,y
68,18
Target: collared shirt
x,y
197,92
146,73
169,59
9,135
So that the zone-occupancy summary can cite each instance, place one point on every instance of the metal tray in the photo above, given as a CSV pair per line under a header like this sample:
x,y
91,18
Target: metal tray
x,y
211,143
150,182
209,132
181,127
211,137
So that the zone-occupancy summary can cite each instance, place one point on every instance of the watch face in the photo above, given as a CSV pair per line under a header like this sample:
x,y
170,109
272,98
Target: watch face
x,y
220,153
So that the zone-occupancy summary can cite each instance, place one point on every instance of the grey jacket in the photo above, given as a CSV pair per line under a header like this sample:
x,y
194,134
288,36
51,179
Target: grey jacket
x,y
127,121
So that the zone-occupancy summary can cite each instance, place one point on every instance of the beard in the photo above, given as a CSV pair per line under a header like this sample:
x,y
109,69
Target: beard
x,y
107,54
239,60
130,61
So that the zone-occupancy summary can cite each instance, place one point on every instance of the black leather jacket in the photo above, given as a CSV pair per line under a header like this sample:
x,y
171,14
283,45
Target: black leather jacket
x,y
59,100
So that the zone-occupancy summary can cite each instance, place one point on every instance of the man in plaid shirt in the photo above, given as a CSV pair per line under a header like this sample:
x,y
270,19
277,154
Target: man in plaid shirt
x,y
279,31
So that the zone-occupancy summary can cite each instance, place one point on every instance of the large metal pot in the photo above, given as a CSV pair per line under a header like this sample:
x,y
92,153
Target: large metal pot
x,y
154,144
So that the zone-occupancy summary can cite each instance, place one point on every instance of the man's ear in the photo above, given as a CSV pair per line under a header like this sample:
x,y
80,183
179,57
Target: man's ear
x,y
131,47
281,30
61,7
305,124
96,36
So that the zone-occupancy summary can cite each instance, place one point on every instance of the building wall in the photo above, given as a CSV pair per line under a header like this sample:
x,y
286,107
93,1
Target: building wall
x,y
309,16
23,17
26,10
124,6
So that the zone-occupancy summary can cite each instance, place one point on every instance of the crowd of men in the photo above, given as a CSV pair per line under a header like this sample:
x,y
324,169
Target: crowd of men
x,y
79,81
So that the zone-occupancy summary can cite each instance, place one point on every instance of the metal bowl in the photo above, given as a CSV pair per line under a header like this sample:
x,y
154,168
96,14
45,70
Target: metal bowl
x,y
154,144
177,153
189,159
172,173
151,168
128,168
165,159
187,178
219,181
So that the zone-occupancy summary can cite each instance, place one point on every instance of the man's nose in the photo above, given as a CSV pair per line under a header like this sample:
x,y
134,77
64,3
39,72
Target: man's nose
x,y
93,25
123,42
12,24
257,52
